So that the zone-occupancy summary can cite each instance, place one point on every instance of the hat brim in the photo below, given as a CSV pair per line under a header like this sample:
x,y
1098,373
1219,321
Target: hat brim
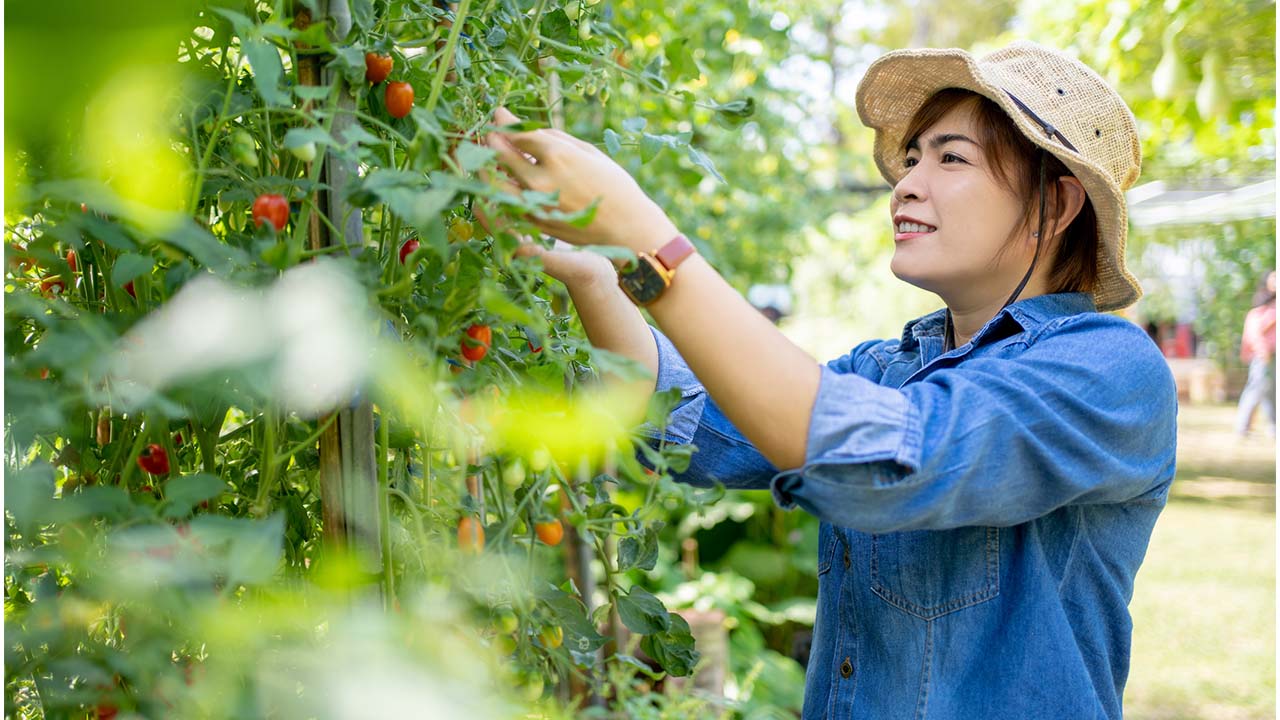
x,y
899,83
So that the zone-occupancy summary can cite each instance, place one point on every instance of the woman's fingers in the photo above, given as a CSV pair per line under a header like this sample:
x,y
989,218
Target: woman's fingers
x,y
511,158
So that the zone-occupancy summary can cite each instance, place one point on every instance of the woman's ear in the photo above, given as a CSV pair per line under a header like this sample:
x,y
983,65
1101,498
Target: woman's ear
x,y
1070,197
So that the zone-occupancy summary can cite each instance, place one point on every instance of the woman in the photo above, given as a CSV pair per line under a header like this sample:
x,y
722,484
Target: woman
x,y
1258,350
987,482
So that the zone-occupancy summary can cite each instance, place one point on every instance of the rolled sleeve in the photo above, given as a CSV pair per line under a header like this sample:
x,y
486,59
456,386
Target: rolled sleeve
x,y
673,372
723,454
855,421
994,441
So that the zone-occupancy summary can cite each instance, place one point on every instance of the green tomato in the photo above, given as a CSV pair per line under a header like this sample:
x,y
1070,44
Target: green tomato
x,y
243,150
573,9
507,621
539,459
531,685
513,474
584,29
305,152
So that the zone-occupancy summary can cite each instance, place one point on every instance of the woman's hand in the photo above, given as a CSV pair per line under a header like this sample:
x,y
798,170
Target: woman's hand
x,y
579,270
554,161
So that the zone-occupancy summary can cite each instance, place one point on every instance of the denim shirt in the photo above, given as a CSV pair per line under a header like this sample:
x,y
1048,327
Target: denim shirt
x,y
983,512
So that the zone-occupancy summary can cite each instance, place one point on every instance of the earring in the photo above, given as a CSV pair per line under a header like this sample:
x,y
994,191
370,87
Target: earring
x,y
1035,234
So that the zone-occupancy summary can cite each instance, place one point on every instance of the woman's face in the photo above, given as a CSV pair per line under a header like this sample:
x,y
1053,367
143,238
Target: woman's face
x,y
952,218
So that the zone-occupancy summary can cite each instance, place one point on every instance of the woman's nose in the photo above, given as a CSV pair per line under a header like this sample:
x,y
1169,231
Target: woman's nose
x,y
910,187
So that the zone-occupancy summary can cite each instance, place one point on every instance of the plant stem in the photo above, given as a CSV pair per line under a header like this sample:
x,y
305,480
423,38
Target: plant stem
x,y
446,62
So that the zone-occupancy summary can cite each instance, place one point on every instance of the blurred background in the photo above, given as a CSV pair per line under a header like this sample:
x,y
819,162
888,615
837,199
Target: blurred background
x,y
786,201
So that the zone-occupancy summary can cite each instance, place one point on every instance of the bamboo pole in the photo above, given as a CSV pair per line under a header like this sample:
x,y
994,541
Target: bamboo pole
x,y
348,467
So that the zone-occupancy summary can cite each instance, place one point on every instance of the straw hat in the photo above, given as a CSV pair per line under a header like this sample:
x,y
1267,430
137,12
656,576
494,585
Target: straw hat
x,y
1057,102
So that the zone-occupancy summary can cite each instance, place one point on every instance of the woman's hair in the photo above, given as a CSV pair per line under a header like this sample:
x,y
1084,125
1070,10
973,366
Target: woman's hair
x,y
1264,294
1015,162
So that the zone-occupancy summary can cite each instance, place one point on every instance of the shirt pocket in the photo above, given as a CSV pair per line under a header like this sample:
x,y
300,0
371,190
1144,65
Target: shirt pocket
x,y
929,573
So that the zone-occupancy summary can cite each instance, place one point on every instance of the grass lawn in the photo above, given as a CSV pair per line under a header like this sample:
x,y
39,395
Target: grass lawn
x,y
1204,608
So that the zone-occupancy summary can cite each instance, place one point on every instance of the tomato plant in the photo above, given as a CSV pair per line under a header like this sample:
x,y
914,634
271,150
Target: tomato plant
x,y
216,433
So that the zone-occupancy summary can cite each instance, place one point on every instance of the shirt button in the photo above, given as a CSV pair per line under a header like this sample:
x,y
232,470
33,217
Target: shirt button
x,y
846,668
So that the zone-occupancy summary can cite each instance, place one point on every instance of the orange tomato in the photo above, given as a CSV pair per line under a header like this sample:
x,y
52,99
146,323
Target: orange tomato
x,y
476,344
470,535
377,67
550,533
399,97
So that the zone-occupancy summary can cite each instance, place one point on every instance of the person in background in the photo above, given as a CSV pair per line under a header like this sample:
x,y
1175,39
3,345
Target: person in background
x,y
1258,350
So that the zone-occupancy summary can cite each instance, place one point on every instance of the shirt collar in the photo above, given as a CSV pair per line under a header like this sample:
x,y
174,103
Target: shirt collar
x,y
1028,313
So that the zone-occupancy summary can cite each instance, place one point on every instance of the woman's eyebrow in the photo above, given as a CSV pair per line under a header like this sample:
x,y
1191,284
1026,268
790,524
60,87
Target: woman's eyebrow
x,y
938,141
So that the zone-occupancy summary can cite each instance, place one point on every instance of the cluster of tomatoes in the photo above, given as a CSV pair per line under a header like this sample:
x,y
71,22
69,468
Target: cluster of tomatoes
x,y
398,96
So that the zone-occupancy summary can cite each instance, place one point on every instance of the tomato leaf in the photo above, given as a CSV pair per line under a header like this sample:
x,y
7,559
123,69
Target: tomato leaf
x,y
264,59
297,137
362,13
650,146
183,493
256,549
472,157
634,124
642,612
673,649
680,59
611,142
130,266
639,553
496,37
697,157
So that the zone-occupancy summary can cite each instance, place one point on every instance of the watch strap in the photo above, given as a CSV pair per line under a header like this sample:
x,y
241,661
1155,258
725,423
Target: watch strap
x,y
674,252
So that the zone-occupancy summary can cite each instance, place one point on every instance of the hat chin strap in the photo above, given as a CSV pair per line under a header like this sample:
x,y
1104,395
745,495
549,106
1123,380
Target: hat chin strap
x,y
1039,239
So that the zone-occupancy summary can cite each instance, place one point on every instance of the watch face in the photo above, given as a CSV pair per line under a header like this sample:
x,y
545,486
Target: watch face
x,y
645,283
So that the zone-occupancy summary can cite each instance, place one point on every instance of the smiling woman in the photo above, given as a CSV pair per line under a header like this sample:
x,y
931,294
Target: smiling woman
x,y
988,482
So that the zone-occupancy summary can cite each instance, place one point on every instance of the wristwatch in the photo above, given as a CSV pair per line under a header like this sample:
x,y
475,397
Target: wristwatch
x,y
652,274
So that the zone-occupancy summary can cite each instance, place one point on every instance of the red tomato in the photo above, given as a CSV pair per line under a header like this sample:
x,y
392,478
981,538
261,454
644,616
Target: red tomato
x,y
470,535
154,459
550,533
476,344
407,248
272,208
52,285
128,287
399,97
72,261
377,67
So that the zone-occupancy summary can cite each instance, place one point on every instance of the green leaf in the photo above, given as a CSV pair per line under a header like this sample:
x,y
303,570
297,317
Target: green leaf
x,y
650,146
497,303
613,252
130,266
634,124
642,612
673,649
297,137
183,493
256,550
267,69
639,553
734,114
557,26
362,13
349,62
704,162
680,59
611,142
579,633
472,157
496,37
312,92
